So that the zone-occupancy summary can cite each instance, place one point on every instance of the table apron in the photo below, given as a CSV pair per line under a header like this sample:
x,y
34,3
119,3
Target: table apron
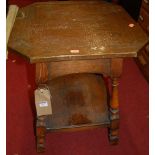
x,y
51,70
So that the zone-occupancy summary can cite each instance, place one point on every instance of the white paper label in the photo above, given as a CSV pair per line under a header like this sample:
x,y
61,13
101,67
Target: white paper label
x,y
74,51
43,104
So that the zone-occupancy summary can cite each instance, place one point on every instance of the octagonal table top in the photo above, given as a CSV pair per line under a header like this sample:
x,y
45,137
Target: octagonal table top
x,y
71,30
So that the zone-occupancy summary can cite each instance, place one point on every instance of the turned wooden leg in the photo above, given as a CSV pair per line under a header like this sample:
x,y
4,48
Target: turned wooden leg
x,y
114,114
40,134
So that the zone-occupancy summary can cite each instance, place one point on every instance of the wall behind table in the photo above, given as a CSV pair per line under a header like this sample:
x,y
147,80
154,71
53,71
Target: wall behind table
x,y
132,7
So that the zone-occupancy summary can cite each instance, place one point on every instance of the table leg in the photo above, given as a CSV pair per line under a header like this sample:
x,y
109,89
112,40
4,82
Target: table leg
x,y
114,114
116,71
40,134
41,78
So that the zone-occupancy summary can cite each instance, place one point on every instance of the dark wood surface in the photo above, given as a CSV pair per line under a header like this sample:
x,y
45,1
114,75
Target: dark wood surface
x,y
60,68
143,55
144,19
78,101
68,30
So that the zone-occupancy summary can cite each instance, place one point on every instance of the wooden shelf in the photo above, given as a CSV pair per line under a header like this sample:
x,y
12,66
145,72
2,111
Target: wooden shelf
x,y
78,101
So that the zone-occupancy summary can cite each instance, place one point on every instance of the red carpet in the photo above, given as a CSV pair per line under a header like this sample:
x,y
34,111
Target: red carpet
x,y
133,95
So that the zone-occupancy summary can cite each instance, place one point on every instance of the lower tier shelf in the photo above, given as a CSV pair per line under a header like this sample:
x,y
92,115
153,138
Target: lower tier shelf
x,y
78,101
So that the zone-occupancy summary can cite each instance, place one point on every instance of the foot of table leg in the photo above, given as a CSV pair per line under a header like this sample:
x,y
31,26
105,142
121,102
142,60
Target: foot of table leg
x,y
40,135
113,140
114,134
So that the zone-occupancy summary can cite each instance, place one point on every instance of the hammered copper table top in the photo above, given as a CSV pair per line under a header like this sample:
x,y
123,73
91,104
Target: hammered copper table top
x,y
69,30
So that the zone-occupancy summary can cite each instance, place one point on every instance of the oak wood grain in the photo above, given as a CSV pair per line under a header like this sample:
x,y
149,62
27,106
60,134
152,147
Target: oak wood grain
x,y
69,30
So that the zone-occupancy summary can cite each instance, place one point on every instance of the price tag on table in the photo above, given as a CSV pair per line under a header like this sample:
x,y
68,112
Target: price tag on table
x,y
43,101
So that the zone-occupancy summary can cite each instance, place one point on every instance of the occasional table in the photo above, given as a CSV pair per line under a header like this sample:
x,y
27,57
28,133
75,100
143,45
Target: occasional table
x,y
74,44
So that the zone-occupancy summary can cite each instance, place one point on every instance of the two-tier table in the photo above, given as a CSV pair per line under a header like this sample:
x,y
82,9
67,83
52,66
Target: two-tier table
x,y
74,45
